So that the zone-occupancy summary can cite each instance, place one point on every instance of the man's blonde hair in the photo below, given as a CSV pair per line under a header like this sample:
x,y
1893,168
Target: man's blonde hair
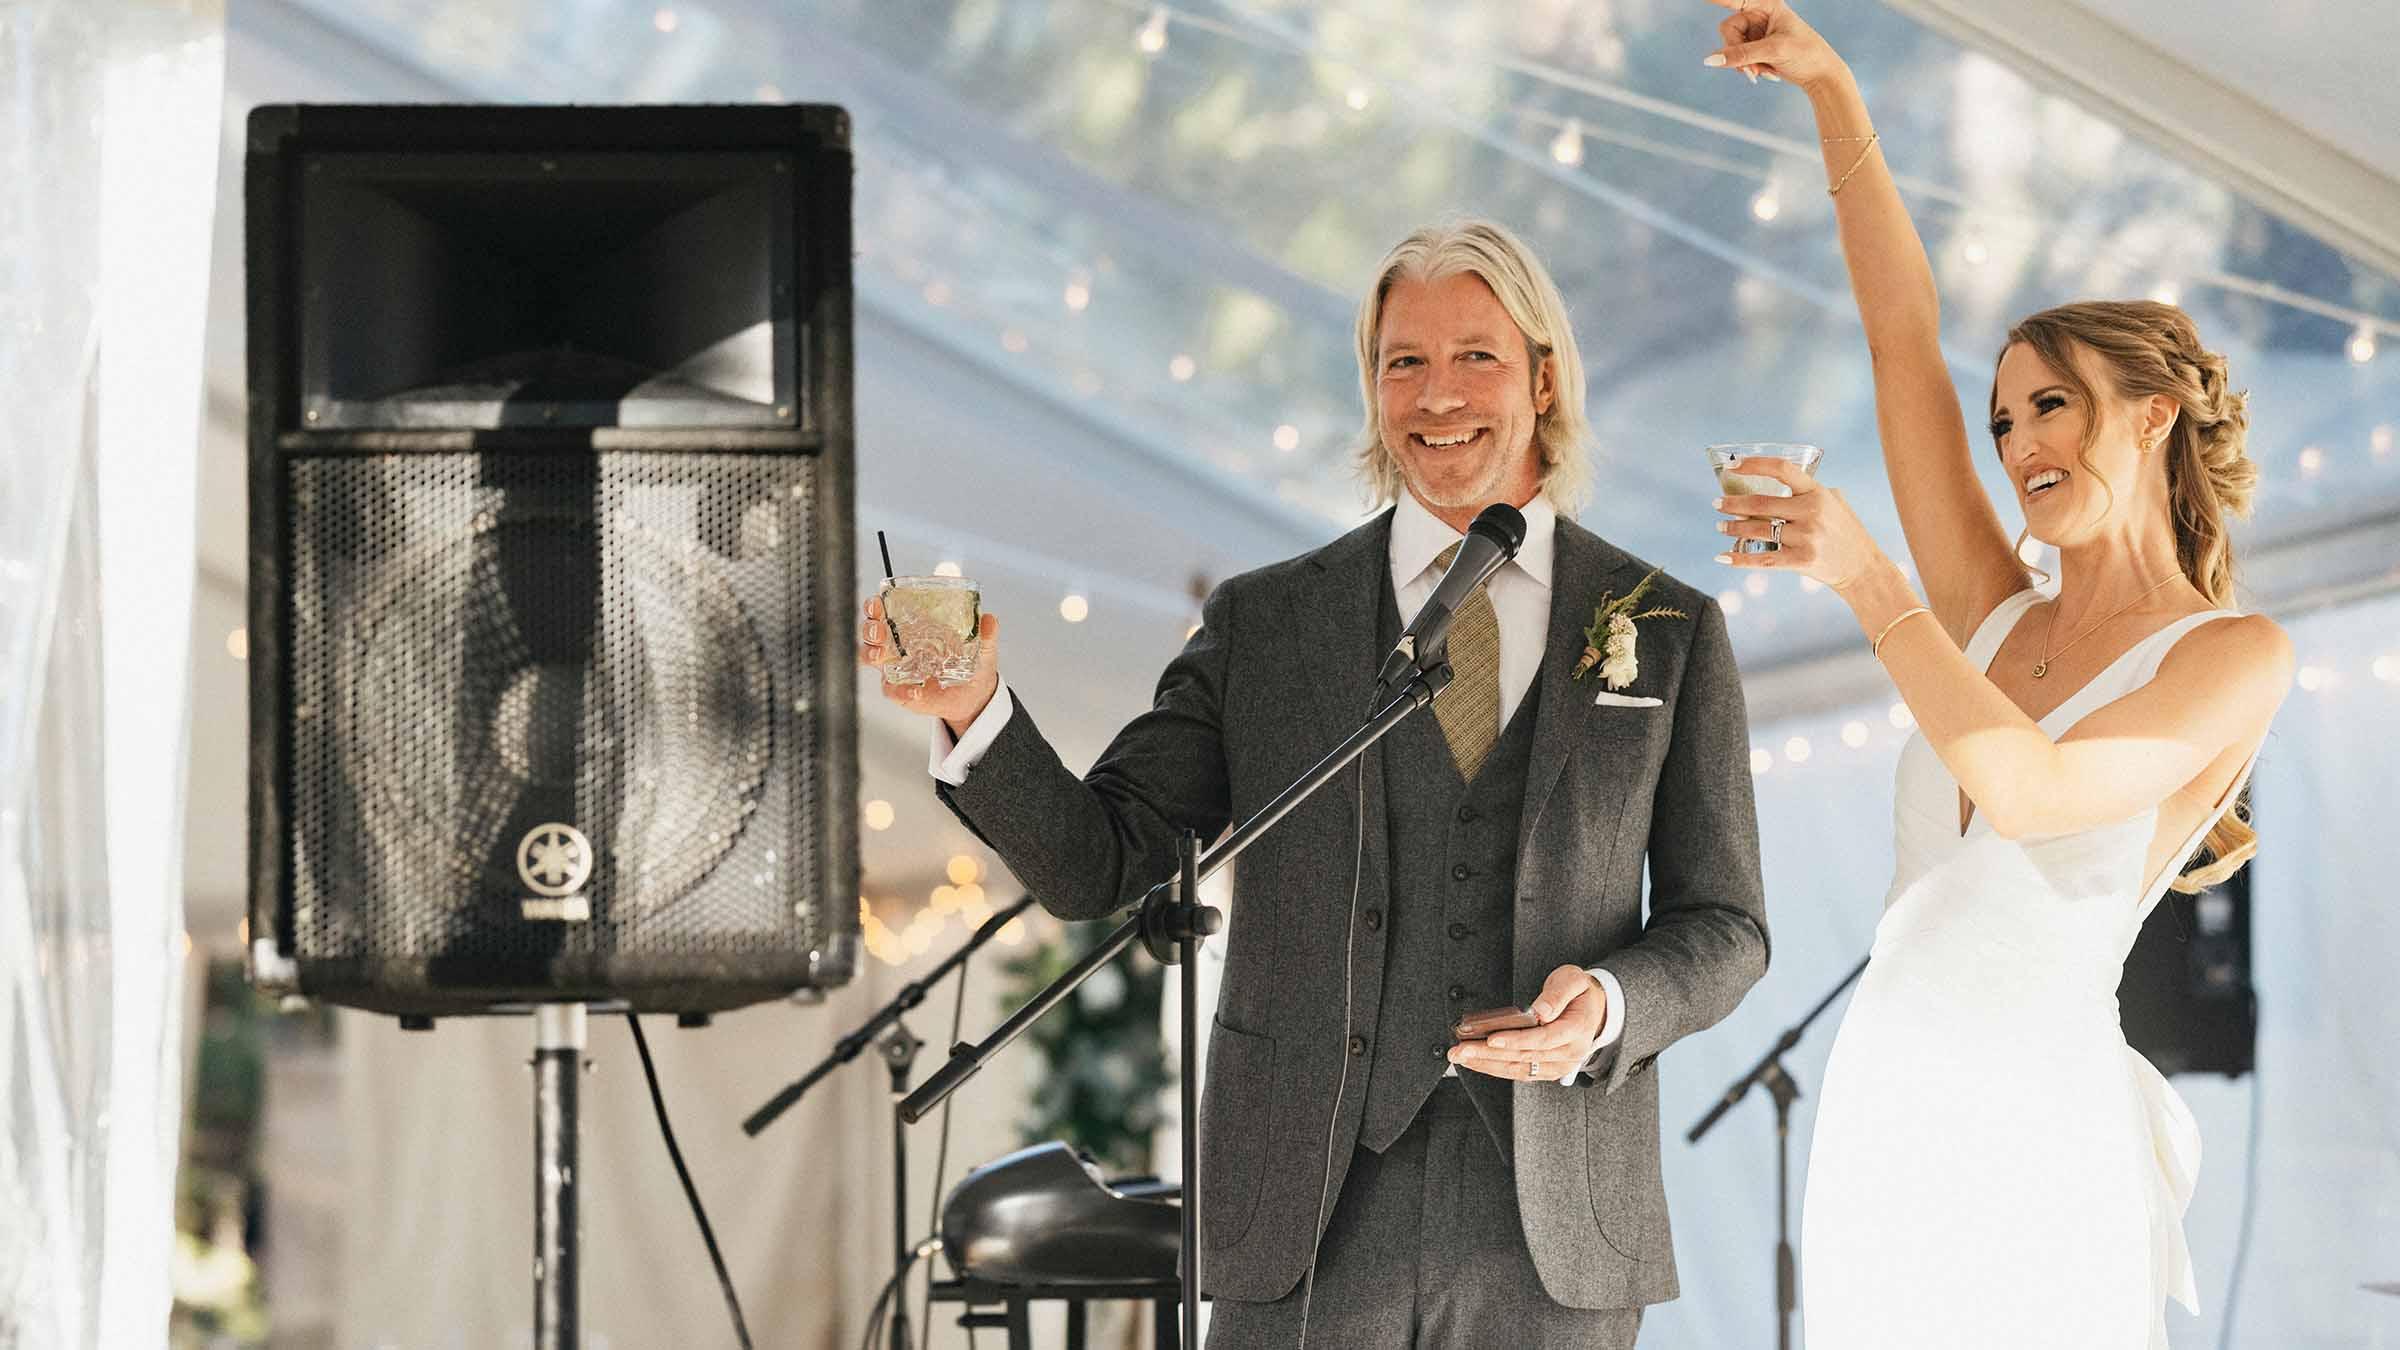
x,y
1562,437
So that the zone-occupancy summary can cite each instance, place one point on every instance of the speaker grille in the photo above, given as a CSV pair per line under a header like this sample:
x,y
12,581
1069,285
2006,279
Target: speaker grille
x,y
485,644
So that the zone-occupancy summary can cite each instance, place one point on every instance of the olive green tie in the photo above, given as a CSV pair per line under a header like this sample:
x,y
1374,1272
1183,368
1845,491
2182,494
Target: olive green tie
x,y
1469,710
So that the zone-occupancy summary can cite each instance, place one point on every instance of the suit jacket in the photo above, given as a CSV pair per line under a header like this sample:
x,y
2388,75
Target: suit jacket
x,y
1280,671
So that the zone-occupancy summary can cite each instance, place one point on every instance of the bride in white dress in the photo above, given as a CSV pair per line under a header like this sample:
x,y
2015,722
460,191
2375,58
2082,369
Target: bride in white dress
x,y
1992,1164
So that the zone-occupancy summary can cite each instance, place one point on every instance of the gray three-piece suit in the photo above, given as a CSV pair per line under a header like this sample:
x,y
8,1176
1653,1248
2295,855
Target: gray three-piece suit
x,y
1467,896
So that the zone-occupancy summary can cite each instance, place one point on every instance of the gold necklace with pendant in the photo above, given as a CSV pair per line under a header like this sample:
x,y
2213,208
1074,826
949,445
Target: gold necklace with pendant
x,y
2042,667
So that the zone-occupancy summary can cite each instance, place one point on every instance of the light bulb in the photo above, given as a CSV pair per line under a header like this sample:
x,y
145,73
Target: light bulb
x,y
1567,146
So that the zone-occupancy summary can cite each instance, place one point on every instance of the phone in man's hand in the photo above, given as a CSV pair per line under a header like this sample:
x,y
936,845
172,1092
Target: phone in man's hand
x,y
1477,1025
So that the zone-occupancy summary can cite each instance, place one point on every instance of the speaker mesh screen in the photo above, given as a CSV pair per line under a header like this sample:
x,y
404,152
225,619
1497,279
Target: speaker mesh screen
x,y
486,644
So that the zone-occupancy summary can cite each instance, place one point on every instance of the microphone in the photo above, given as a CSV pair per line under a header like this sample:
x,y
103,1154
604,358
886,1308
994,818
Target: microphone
x,y
1493,539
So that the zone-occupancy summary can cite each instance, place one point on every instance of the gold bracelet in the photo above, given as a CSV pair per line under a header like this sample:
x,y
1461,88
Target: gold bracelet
x,y
1856,164
1846,140
1877,645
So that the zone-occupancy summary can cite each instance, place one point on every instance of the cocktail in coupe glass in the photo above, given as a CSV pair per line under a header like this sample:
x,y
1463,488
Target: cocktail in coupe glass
x,y
1722,457
934,621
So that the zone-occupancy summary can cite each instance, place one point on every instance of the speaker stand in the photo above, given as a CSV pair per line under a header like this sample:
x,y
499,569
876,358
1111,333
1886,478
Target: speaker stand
x,y
559,1036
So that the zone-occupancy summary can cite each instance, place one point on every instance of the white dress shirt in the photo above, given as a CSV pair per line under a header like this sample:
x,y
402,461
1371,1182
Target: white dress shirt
x,y
1520,595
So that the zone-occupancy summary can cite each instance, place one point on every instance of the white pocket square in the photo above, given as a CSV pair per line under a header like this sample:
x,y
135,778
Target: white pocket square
x,y
1605,699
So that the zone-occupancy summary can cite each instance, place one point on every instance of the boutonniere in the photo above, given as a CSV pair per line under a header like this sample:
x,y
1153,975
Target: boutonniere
x,y
1609,642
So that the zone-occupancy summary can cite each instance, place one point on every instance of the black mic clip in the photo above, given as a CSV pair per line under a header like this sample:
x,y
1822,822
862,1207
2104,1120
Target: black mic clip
x,y
1492,539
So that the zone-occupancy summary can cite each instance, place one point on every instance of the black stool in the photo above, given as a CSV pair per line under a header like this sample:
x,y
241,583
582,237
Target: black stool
x,y
1013,1303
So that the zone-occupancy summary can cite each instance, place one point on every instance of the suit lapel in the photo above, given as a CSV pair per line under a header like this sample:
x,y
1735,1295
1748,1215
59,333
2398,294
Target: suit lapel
x,y
1581,566
1334,628
1333,633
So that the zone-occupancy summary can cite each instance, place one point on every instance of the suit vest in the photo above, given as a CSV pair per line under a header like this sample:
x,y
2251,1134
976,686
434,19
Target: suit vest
x,y
1453,866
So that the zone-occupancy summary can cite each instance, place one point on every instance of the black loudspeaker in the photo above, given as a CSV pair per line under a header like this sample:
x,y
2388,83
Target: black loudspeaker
x,y
2186,1000
551,687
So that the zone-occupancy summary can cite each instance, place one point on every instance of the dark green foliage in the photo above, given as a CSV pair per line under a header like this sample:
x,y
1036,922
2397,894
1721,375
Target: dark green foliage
x,y
1103,1064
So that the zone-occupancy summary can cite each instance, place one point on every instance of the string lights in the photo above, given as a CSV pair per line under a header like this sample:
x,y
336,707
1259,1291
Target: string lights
x,y
1152,39
967,906
1567,146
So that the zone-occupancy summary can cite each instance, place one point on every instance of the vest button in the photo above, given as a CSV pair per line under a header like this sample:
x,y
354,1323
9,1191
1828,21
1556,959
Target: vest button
x,y
1358,1045
1469,815
1441,1051
1459,932
1461,872
1457,992
1374,919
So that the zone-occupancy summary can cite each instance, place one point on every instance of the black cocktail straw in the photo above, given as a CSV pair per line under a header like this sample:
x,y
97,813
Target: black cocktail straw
x,y
884,547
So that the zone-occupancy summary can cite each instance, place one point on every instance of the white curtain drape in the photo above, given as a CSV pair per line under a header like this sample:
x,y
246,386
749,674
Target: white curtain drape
x,y
108,156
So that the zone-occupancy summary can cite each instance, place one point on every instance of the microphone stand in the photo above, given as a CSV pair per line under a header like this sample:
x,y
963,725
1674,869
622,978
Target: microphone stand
x,y
899,1049
1171,923
1770,1074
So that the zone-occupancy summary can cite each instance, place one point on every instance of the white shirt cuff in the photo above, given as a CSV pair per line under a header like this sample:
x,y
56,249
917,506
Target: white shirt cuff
x,y
951,758
1612,1022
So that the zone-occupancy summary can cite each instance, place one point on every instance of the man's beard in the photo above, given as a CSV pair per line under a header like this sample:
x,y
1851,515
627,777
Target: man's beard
x,y
1482,488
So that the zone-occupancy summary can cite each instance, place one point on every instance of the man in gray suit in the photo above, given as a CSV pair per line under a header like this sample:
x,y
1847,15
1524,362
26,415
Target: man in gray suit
x,y
1500,1192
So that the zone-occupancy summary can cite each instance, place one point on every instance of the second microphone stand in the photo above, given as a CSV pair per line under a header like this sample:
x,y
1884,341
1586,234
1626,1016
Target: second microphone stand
x,y
899,1049
1770,1074
1171,922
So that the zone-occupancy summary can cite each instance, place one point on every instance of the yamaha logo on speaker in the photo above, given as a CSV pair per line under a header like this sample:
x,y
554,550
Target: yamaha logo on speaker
x,y
554,860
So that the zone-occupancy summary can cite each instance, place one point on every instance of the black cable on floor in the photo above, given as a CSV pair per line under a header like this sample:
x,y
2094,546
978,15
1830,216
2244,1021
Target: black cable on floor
x,y
890,1294
708,1235
941,1166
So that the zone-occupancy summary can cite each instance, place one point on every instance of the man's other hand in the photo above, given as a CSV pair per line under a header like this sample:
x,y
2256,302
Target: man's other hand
x,y
1573,1008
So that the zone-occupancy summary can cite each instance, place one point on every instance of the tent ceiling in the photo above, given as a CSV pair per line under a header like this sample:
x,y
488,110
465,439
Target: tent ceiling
x,y
1088,220
1127,275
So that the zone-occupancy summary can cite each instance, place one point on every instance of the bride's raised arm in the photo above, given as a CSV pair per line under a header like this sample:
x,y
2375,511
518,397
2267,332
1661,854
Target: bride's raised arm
x,y
1962,552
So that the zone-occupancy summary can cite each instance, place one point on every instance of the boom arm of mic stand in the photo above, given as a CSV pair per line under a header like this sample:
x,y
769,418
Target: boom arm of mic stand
x,y
910,995
1767,1067
966,1060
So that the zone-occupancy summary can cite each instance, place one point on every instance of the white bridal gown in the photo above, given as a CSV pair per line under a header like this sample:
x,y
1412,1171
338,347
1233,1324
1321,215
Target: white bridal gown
x,y
1993,1166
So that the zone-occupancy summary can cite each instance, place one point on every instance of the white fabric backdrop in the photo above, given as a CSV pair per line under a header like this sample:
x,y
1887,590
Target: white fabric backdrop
x,y
109,164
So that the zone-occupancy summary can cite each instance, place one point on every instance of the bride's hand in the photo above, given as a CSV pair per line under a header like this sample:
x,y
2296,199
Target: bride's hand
x,y
1820,536
1764,37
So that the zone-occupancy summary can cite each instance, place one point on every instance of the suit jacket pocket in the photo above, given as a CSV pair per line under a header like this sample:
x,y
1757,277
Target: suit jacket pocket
x,y
1629,1197
1236,1115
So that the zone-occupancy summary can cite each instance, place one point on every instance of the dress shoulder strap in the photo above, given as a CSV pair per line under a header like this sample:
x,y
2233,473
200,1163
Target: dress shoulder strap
x,y
2158,644
1996,626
